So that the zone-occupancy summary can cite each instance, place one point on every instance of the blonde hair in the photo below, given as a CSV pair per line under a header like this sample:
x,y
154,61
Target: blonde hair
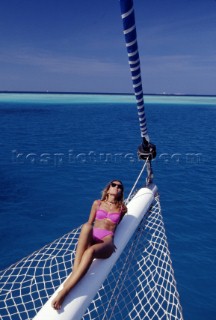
x,y
120,198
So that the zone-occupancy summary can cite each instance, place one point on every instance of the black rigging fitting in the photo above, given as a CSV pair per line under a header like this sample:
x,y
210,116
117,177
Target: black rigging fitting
x,y
147,151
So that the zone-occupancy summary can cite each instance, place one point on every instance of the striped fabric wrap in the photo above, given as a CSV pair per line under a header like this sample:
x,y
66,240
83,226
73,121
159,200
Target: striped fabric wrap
x,y
129,29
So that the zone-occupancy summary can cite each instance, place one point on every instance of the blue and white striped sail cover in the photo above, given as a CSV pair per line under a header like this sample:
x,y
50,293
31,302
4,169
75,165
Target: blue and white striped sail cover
x,y
129,29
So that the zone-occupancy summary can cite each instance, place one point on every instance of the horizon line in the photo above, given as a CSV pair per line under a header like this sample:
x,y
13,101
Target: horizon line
x,y
104,93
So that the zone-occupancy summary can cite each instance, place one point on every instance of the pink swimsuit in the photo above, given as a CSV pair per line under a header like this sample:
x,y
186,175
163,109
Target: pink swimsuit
x,y
99,234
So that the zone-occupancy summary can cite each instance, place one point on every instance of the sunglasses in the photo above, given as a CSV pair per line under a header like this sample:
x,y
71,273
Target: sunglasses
x,y
113,184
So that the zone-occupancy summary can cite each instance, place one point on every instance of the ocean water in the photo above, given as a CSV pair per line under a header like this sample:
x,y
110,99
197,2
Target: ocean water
x,y
59,150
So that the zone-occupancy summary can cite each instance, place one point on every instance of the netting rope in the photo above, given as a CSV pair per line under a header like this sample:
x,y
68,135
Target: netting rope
x,y
141,284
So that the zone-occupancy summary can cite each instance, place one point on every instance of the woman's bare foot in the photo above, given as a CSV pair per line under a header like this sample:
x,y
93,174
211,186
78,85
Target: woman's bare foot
x,y
58,300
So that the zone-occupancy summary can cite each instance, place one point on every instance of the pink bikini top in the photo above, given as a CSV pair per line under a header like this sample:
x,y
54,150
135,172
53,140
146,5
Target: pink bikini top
x,y
102,214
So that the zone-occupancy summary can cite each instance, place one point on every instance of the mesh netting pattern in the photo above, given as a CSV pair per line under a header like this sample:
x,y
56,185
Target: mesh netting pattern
x,y
26,285
141,285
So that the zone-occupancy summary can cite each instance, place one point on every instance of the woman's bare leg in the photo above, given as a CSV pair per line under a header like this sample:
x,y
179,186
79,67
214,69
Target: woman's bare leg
x,y
101,250
85,239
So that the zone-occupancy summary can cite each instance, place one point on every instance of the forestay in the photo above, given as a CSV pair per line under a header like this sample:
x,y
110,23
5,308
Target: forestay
x,y
129,26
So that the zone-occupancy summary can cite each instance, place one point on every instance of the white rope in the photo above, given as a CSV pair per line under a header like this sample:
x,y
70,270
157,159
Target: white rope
x,y
137,180
141,284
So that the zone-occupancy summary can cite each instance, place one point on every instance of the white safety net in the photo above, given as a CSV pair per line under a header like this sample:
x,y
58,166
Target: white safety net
x,y
141,284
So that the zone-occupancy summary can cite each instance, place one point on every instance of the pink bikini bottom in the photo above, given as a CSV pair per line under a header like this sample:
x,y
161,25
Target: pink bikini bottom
x,y
99,234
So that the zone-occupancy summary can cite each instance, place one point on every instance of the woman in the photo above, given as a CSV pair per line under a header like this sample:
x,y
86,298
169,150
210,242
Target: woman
x,y
96,237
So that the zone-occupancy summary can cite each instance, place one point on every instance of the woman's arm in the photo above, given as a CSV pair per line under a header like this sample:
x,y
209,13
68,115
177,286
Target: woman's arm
x,y
124,209
93,212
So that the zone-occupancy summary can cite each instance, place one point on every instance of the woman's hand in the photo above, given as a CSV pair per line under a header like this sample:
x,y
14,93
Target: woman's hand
x,y
124,208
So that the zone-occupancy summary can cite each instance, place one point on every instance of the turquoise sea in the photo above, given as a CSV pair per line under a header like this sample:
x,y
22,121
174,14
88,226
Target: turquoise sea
x,y
59,150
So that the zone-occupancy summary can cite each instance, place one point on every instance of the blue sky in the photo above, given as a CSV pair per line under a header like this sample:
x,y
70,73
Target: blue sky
x,y
73,45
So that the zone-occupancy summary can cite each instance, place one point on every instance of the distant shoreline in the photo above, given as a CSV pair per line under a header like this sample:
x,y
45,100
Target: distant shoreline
x,y
108,93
